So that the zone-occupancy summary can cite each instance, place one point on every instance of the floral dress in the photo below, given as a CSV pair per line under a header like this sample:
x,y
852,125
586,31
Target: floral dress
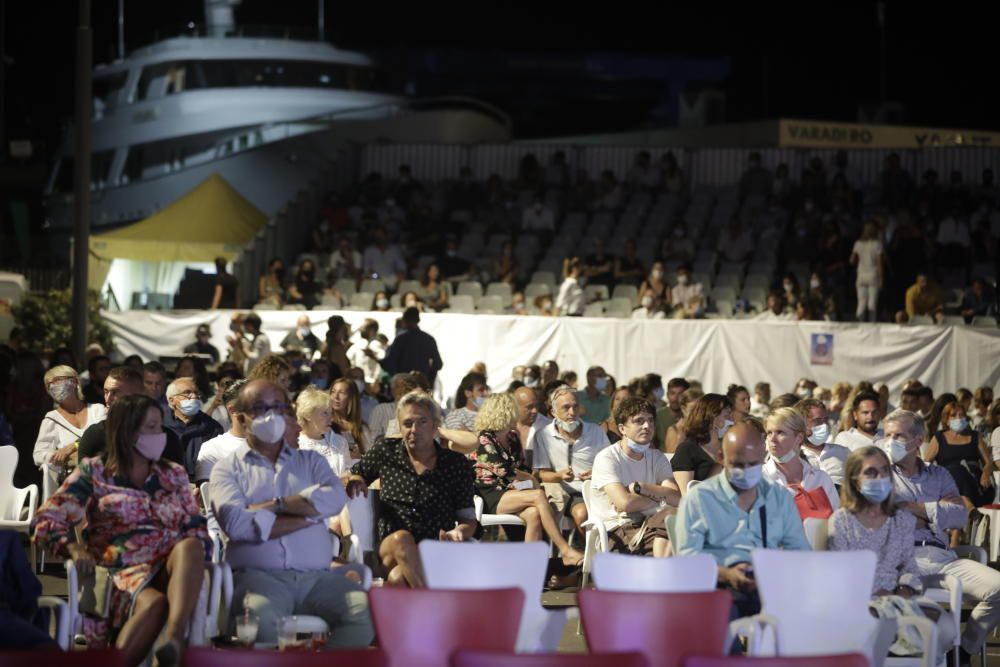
x,y
496,467
130,531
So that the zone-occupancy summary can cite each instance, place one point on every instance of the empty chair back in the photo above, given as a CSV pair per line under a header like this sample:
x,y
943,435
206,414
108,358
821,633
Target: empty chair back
x,y
424,627
107,657
493,659
683,574
840,584
665,627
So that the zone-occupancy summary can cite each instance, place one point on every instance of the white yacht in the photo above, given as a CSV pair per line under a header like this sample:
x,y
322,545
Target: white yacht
x,y
170,114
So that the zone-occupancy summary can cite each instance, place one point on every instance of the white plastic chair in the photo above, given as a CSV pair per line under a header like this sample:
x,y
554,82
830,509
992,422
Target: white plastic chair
x,y
17,506
816,533
487,565
60,622
641,574
595,536
494,519
821,615
213,534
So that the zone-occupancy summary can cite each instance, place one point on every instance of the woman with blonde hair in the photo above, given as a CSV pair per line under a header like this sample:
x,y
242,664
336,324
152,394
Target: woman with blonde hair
x,y
314,413
345,399
504,481
62,427
815,495
570,300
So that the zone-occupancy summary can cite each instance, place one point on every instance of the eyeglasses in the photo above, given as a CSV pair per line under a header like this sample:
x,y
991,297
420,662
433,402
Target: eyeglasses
x,y
187,394
259,409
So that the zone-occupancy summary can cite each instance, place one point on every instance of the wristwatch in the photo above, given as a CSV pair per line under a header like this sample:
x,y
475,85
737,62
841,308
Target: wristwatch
x,y
637,488
279,505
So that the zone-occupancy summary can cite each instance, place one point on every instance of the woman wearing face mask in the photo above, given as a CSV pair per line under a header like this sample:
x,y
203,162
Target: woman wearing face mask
x,y
699,454
380,302
677,432
650,308
815,495
306,289
142,522
543,305
505,482
608,425
959,450
470,396
868,520
345,400
656,283
62,427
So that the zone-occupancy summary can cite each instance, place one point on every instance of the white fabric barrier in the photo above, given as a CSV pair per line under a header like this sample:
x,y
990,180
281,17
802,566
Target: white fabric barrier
x,y
717,352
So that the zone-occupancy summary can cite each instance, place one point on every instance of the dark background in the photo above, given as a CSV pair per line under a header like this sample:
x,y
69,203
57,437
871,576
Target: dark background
x,y
816,60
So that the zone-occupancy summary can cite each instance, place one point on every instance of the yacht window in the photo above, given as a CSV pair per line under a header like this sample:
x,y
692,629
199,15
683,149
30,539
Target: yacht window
x,y
63,181
107,92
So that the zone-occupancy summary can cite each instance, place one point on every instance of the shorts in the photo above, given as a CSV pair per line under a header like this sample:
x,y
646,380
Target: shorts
x,y
627,539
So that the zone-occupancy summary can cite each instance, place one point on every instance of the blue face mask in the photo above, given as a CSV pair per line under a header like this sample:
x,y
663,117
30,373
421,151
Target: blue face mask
x,y
876,490
636,447
478,401
746,478
321,383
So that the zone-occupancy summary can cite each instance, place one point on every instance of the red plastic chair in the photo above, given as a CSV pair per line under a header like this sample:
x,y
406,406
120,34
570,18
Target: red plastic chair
x,y
845,660
55,658
490,659
423,628
665,627
210,657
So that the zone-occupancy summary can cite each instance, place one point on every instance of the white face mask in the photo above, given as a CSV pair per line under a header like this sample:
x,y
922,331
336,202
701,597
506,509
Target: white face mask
x,y
682,279
721,431
636,447
958,425
268,428
657,275
60,391
189,407
746,478
658,393
530,382
819,434
303,332
814,283
647,301
787,458
568,427
895,449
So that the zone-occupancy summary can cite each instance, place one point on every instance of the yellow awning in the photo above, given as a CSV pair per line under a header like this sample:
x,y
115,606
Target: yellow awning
x,y
213,220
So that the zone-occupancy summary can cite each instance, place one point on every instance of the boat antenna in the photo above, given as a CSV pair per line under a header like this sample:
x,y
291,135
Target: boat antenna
x,y
121,29
321,19
220,18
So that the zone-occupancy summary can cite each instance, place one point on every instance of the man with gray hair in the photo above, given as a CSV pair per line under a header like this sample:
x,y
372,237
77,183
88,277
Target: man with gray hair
x,y
565,451
186,420
930,494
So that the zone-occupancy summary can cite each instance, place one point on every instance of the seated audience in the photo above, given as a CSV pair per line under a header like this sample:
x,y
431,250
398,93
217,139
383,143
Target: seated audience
x,y
977,301
813,490
598,266
382,422
271,285
929,493
271,501
215,449
595,403
670,412
923,298
740,398
505,482
61,428
471,394
345,402
98,368
434,293
302,339
140,521
865,412
630,491
628,269
565,451
869,520
725,516
958,449
194,367
186,420
609,425
699,455
571,299
817,448
426,490
677,432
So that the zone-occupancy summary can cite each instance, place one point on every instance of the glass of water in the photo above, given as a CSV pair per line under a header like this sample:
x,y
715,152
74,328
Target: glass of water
x,y
288,632
247,625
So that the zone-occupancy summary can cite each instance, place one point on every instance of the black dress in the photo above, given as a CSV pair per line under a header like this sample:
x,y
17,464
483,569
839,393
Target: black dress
x,y
692,457
964,464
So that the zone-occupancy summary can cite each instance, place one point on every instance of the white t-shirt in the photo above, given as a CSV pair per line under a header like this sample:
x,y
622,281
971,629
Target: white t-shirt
x,y
214,450
552,450
812,478
853,438
831,459
868,253
995,444
611,466
56,431
334,449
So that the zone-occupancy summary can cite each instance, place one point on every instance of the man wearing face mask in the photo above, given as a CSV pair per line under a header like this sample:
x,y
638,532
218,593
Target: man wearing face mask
x,y
819,451
272,502
595,402
629,491
686,295
565,452
186,420
867,413
929,493
730,514
302,339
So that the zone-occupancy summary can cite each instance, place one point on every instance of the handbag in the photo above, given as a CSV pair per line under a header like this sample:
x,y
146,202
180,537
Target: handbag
x,y
814,504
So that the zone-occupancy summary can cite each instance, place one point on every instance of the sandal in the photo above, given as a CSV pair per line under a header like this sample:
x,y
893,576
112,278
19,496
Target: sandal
x,y
572,563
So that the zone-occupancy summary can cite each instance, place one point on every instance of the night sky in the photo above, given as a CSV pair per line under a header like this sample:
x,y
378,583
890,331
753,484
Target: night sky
x,y
815,60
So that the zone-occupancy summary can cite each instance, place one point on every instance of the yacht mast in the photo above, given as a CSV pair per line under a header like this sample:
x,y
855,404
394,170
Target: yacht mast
x,y
219,17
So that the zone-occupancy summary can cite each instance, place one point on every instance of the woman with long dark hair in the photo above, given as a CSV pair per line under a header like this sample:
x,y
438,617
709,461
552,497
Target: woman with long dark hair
x,y
699,455
141,522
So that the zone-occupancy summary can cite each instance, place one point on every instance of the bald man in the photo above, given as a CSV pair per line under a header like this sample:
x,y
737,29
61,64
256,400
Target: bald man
x,y
725,516
530,419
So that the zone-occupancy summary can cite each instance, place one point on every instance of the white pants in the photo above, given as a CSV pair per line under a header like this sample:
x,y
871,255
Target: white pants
x,y
867,298
980,583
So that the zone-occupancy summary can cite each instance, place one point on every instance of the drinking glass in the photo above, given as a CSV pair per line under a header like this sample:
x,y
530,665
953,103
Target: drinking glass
x,y
247,625
287,632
